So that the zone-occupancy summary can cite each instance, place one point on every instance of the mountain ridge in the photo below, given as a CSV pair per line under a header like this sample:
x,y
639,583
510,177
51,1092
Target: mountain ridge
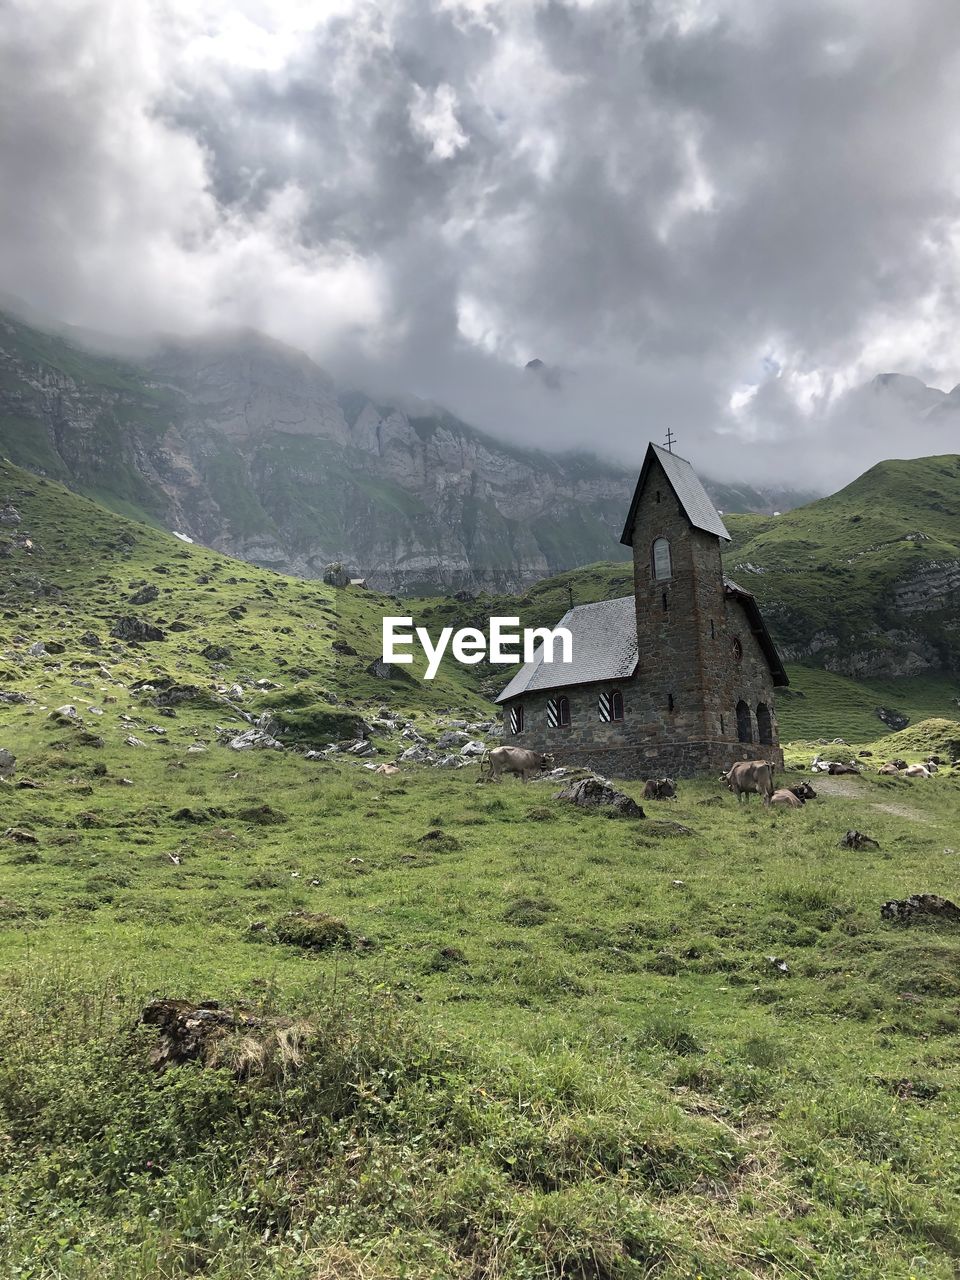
x,y
248,446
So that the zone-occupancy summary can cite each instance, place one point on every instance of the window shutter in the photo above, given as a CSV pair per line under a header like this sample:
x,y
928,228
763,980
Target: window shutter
x,y
605,705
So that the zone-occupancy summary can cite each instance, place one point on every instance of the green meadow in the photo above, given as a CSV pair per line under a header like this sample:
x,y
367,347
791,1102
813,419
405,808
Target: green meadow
x,y
495,1037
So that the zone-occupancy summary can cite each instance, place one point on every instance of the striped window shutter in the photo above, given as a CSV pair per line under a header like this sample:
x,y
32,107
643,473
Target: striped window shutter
x,y
516,719
605,706
553,713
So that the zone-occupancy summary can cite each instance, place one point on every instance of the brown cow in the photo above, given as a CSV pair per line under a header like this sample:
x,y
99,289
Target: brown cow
x,y
747,776
916,771
890,770
659,789
387,770
783,795
517,760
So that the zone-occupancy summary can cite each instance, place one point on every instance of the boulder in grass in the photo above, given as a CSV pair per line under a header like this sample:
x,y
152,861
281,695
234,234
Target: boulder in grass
x,y
136,630
596,793
919,906
8,763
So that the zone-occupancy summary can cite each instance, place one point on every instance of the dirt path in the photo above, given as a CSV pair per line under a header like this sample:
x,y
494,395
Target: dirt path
x,y
846,784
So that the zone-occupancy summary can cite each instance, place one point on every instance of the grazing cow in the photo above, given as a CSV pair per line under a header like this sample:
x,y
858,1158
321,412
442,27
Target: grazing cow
x,y
916,771
659,789
747,776
784,796
517,760
804,791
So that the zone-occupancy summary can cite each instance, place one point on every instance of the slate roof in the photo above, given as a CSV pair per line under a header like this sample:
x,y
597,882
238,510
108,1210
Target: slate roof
x,y
759,629
693,498
604,648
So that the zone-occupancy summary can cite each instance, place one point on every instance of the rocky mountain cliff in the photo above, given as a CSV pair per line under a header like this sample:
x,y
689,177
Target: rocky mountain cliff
x,y
247,446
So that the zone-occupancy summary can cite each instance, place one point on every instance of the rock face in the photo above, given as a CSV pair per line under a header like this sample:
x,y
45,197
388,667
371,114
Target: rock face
x,y
246,445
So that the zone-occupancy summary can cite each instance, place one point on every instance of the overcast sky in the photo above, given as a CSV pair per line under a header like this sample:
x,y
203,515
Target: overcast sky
x,y
722,216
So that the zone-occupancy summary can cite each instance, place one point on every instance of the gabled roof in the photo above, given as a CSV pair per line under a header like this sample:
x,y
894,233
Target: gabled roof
x,y
604,648
685,483
759,629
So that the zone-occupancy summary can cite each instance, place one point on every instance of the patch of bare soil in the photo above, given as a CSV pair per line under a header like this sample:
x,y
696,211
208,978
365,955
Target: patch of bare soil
x,y
848,785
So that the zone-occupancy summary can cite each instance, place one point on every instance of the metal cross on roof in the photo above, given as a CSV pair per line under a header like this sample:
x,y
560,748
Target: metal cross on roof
x,y
670,440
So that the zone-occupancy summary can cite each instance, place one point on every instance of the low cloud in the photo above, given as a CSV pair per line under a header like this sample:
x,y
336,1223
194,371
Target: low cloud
x,y
722,216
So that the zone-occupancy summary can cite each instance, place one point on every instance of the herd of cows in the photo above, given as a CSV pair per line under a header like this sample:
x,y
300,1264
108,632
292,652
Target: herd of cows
x,y
745,778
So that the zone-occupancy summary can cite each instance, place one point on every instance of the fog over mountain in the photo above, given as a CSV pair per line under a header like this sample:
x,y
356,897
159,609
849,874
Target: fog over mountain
x,y
723,216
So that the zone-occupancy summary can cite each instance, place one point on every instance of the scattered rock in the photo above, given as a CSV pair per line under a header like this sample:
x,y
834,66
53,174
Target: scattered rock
x,y
37,650
779,965
146,595
132,741
920,904
20,835
335,575
594,793
90,640
254,740
417,755
857,840
136,630
452,738
8,763
381,670
893,719
473,749
215,653
10,516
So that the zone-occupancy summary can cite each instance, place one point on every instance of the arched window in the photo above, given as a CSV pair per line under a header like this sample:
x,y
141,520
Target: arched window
x,y
662,567
737,648
713,634
744,727
722,729
516,718
764,723
610,705
669,701
665,603
558,712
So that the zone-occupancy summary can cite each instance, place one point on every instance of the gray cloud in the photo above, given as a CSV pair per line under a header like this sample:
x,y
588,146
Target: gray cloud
x,y
718,215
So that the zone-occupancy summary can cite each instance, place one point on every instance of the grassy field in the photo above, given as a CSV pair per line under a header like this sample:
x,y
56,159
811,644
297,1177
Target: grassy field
x,y
546,1043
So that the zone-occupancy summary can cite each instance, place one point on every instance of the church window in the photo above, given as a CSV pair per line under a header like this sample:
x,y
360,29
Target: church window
x,y
722,729
665,602
713,634
669,701
610,705
737,648
516,718
764,723
744,726
658,495
558,712
662,568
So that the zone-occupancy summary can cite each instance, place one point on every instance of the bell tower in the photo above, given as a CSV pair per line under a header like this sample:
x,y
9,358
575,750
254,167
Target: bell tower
x,y
676,533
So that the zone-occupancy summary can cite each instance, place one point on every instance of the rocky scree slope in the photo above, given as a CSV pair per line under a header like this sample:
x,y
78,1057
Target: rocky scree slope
x,y
247,446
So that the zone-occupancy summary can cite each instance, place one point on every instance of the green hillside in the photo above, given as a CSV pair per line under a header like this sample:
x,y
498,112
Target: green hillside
x,y
484,1033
